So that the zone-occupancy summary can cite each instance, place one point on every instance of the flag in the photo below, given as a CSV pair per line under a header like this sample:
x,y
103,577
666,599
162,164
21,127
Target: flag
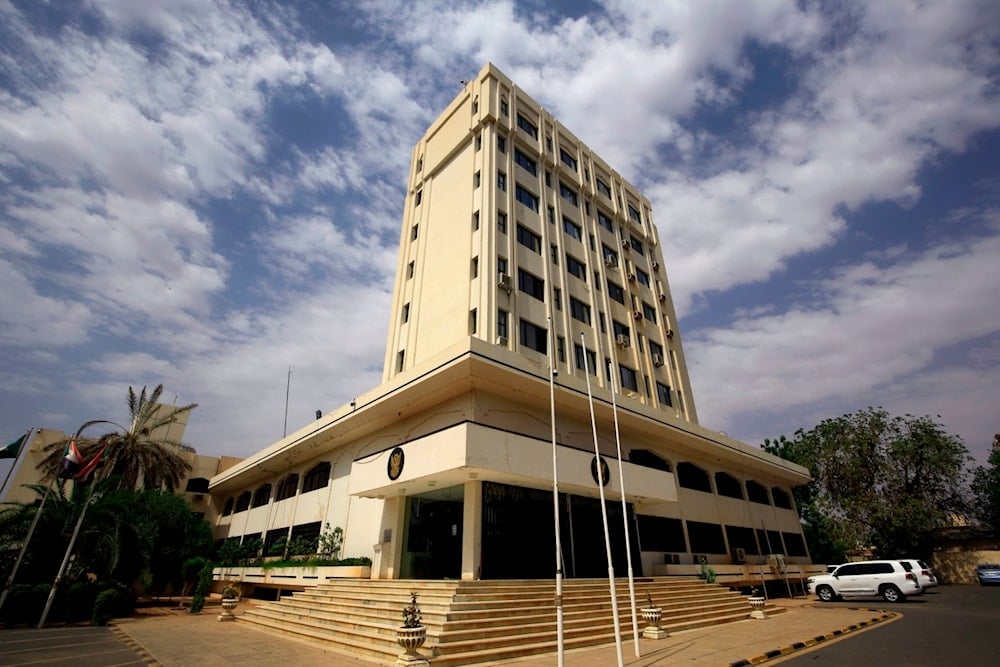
x,y
89,466
72,460
13,449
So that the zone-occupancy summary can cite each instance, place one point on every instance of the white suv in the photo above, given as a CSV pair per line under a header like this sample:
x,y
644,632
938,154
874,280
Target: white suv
x,y
888,578
925,575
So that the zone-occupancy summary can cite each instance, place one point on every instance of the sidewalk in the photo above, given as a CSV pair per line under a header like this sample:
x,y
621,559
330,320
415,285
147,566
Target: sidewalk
x,y
180,639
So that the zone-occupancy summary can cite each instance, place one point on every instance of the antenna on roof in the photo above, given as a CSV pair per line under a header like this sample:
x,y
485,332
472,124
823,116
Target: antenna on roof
x,y
288,388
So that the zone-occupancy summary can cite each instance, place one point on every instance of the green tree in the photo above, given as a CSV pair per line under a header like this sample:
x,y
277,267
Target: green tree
x,y
145,454
878,480
986,488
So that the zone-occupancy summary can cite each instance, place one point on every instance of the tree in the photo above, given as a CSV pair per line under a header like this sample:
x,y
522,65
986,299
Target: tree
x,y
986,488
144,454
877,480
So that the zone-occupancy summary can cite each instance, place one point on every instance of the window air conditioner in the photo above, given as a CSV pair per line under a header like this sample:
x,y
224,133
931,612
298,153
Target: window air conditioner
x,y
656,266
670,333
611,262
631,277
622,340
625,243
662,297
502,340
503,281
657,359
637,314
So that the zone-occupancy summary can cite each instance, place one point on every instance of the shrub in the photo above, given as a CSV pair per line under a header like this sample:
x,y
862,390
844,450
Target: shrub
x,y
110,603
204,583
80,600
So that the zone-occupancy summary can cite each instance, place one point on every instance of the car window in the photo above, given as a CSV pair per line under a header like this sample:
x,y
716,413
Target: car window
x,y
882,568
907,565
848,570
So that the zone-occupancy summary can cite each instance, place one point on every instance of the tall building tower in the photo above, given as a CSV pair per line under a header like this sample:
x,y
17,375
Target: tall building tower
x,y
516,233
521,253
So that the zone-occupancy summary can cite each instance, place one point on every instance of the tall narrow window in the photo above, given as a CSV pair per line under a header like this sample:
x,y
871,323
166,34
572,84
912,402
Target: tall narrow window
x,y
503,320
475,221
573,229
501,181
476,179
475,267
502,222
533,336
409,270
413,233
400,358
406,313
473,323
501,143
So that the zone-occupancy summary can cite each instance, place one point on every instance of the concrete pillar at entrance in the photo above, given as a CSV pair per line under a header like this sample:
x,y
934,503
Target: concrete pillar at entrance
x,y
391,536
472,530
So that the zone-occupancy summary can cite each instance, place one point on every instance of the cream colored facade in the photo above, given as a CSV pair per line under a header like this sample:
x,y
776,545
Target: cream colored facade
x,y
519,246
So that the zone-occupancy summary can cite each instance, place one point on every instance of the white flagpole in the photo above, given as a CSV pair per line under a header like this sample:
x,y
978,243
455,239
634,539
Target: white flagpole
x,y
628,540
555,499
604,510
65,561
13,463
27,538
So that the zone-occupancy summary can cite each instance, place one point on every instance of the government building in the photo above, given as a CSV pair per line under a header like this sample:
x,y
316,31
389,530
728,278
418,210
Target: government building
x,y
530,279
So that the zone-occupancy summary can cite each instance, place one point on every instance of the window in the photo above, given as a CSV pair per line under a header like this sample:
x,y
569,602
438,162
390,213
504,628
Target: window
x,y
616,292
243,502
690,476
501,222
663,394
597,281
409,270
413,232
573,229
591,360
526,162
561,348
400,360
604,221
196,485
628,377
526,197
658,533
567,159
475,221
554,254
418,197
261,495
475,267
728,486
548,144
502,181
548,178
473,321
530,284
656,350
579,310
228,507
635,243
557,295
476,178
633,214
576,267
741,537
420,163
502,320
649,312
603,188
781,498
604,325
529,239
757,493
475,104
621,330
501,143
642,277
406,313
317,477
528,127
593,242
534,336
610,255
568,194
479,141
501,265
288,486
552,215
504,108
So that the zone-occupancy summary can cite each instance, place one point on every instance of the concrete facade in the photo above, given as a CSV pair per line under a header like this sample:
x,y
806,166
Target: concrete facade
x,y
521,253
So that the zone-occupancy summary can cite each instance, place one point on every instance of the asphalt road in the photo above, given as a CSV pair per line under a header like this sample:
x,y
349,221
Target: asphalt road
x,y
77,646
948,625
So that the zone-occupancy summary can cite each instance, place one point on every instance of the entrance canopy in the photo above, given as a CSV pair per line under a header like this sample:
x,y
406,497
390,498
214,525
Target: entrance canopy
x,y
471,451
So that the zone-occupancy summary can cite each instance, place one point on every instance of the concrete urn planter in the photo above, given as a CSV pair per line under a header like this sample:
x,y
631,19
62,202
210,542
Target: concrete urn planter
x,y
652,615
228,604
410,639
757,607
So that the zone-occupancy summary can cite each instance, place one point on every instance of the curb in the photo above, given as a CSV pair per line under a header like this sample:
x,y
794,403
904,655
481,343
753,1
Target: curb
x,y
819,639
143,654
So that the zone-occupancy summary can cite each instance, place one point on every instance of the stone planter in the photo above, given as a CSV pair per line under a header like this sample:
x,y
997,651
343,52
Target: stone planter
x,y
410,639
228,604
652,617
757,607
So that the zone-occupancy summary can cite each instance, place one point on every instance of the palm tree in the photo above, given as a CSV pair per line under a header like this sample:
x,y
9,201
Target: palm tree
x,y
144,454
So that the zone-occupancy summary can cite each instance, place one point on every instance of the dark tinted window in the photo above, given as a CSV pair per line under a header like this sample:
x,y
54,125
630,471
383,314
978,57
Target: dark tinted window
x,y
691,476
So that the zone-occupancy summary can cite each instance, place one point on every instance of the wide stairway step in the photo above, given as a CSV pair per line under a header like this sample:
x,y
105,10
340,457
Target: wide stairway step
x,y
471,622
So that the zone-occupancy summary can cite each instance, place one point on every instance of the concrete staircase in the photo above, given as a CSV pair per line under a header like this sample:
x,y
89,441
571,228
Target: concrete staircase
x,y
472,622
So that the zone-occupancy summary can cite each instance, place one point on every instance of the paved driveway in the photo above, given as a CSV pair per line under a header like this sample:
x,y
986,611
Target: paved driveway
x,y
77,646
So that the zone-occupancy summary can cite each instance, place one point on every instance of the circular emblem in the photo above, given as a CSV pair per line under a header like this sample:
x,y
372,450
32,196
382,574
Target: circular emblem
x,y
395,465
605,471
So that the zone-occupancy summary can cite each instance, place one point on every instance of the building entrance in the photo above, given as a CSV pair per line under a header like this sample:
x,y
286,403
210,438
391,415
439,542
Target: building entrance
x,y
433,535
519,543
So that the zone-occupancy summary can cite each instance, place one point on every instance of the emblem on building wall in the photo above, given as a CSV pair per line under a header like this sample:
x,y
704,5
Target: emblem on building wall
x,y
395,466
605,471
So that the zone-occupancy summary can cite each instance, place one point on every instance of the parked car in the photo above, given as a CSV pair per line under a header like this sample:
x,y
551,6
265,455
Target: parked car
x,y
988,574
889,579
925,575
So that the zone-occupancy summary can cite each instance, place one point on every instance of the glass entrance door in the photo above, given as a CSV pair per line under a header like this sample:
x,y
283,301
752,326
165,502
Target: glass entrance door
x,y
433,535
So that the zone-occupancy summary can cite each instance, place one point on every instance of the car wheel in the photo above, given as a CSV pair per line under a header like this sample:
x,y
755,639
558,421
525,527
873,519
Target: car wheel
x,y
825,593
890,593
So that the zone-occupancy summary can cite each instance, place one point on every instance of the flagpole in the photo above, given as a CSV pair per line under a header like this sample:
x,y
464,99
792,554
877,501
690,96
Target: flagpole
x,y
555,500
27,539
604,510
65,561
628,540
23,440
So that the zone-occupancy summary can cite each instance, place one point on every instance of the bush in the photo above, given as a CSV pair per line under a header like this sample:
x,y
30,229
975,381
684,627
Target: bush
x,y
80,600
22,605
110,603
204,583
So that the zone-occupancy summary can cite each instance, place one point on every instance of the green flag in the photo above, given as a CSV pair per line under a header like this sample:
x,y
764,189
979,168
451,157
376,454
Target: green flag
x,y
13,449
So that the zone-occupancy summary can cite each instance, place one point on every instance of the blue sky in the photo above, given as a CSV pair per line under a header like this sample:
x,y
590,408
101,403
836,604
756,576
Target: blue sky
x,y
205,193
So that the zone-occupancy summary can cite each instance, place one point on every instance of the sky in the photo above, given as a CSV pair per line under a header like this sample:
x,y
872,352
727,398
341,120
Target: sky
x,y
208,194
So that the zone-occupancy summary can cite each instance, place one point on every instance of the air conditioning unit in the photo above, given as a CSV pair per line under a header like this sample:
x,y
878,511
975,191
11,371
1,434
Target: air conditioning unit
x,y
662,297
625,243
670,333
611,262
631,277
637,314
656,266
739,555
622,340
503,281
502,340
657,359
